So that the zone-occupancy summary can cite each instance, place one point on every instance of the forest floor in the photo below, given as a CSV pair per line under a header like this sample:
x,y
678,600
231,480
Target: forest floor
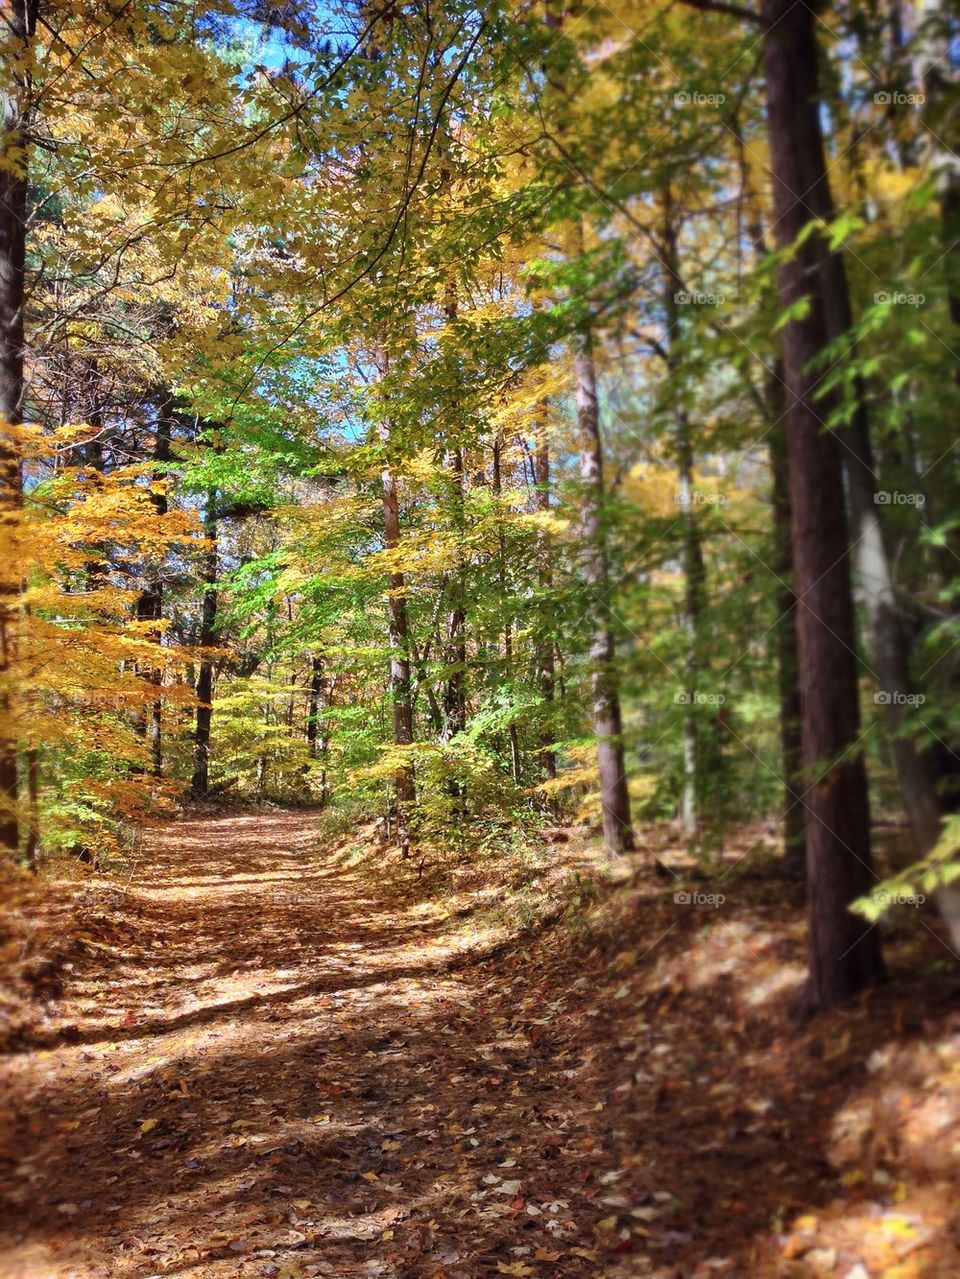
x,y
260,1055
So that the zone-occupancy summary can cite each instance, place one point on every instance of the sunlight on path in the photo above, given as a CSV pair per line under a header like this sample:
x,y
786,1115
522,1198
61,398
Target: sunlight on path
x,y
276,1060
262,1047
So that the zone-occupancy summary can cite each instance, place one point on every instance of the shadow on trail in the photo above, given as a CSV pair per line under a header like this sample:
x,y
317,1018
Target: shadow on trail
x,y
429,1114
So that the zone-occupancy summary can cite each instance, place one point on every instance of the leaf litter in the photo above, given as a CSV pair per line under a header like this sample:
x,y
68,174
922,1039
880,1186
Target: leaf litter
x,y
281,1059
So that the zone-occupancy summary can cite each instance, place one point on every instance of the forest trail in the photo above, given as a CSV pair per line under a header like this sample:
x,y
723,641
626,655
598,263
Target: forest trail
x,y
289,1065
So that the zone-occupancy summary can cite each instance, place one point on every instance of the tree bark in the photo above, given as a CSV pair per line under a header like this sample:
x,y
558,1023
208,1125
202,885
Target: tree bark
x,y
546,667
318,700
400,687
788,689
200,784
18,23
515,760
889,641
607,719
150,602
694,573
32,851
844,955
454,698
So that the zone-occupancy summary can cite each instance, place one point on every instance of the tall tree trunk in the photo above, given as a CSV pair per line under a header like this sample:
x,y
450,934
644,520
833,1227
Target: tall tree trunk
x,y
546,668
150,602
693,592
694,573
400,687
32,851
515,763
19,21
889,641
314,695
788,689
844,955
91,454
200,784
318,700
454,699
607,720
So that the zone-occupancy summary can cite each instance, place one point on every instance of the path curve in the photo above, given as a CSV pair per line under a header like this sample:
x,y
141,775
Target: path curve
x,y
285,1071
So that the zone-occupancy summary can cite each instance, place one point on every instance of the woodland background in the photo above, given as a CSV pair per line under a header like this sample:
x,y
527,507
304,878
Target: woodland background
x,y
457,414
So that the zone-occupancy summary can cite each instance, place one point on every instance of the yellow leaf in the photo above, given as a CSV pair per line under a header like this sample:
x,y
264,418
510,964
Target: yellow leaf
x,y
148,1125
900,1228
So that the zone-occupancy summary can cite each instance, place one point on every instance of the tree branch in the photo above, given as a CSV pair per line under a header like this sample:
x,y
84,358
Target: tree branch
x,y
731,10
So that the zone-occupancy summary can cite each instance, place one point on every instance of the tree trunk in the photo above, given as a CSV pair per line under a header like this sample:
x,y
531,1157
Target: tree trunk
x,y
844,955
316,736
400,689
19,22
515,762
693,586
889,641
33,808
546,669
150,602
204,688
314,696
607,721
454,699
788,689
694,574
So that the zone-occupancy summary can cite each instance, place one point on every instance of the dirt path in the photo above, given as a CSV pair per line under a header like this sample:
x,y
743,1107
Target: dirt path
x,y
282,1069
